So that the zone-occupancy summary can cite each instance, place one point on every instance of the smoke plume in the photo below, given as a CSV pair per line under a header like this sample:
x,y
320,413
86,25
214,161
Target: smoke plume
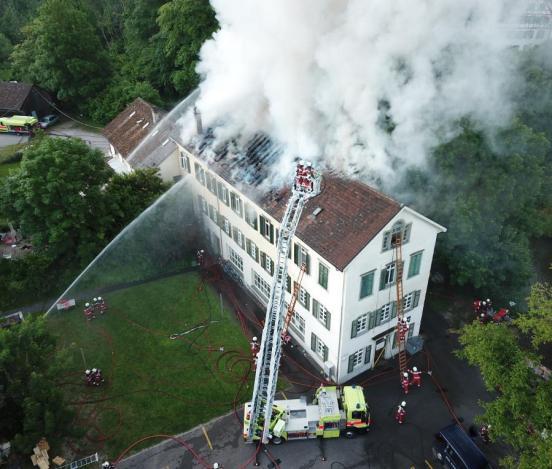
x,y
361,86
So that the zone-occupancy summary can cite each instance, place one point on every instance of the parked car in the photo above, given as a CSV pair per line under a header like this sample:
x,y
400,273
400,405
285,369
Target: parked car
x,y
48,121
454,449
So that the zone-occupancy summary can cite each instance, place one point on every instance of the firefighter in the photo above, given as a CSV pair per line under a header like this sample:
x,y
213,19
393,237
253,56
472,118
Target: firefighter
x,y
400,413
405,382
88,377
483,318
107,465
403,329
200,254
102,305
416,376
477,306
89,311
484,433
254,347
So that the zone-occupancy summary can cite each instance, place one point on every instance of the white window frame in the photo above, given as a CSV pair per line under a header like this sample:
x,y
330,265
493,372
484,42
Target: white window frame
x,y
408,301
185,161
385,312
223,193
362,324
390,274
236,259
302,297
320,346
358,359
265,230
298,324
227,227
203,205
262,286
251,216
236,203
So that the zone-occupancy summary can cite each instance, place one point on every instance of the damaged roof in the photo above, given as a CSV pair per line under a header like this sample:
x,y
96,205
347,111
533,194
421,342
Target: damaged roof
x,y
349,213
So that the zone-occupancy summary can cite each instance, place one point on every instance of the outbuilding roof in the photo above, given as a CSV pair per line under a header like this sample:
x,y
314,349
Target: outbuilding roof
x,y
13,94
132,126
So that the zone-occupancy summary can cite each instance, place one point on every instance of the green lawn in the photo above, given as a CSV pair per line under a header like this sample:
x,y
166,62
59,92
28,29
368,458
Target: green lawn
x,y
6,167
154,384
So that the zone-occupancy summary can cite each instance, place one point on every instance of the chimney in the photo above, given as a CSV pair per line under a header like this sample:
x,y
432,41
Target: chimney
x,y
199,126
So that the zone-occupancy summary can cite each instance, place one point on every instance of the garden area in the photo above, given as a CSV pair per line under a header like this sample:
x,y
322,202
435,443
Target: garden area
x,y
170,356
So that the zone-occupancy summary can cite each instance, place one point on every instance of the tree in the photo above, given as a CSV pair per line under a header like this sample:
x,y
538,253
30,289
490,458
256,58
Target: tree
x,y
57,198
62,52
184,26
521,414
490,194
31,405
538,321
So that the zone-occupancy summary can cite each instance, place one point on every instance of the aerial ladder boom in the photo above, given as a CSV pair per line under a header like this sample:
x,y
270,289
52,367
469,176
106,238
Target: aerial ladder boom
x,y
306,185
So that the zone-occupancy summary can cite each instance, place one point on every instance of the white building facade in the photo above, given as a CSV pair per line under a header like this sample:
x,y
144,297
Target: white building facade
x,y
344,313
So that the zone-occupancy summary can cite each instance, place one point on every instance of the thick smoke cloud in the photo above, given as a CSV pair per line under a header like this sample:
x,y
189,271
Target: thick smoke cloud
x,y
331,78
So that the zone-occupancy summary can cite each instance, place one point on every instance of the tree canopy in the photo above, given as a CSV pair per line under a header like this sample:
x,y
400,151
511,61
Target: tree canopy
x,y
521,413
31,404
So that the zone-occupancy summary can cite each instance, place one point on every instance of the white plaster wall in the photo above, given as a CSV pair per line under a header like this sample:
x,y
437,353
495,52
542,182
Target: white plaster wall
x,y
170,167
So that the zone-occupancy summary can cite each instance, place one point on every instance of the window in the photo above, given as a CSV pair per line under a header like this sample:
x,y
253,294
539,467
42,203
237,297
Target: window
x,y
301,256
211,183
297,323
226,226
398,229
203,205
236,260
236,203
322,275
366,284
252,250
261,285
212,213
385,312
411,300
318,347
184,162
267,263
303,297
360,325
238,237
199,173
321,313
266,228
410,329
388,275
250,216
355,359
223,193
415,264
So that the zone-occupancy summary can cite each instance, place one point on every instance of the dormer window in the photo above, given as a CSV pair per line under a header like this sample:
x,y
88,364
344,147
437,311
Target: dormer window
x,y
399,230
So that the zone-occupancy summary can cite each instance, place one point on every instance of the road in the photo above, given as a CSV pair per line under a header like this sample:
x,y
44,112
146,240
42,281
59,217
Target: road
x,y
388,445
93,137
9,139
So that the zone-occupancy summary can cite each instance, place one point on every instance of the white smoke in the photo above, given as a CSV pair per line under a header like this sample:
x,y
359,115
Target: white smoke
x,y
321,75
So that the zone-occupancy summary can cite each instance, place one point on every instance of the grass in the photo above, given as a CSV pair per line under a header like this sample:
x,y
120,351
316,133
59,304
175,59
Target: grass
x,y
7,152
153,384
6,168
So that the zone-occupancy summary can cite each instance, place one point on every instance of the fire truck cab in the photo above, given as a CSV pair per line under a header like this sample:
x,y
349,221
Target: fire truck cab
x,y
333,412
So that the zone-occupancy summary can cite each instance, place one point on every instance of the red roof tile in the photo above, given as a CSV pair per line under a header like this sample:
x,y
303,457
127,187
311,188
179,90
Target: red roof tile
x,y
352,215
131,126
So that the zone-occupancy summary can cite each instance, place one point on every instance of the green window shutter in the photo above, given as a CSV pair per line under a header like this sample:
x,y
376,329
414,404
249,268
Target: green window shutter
x,y
351,363
354,329
277,235
296,254
325,353
308,263
307,301
378,317
263,260
368,354
248,246
262,225
394,310
288,284
328,320
271,234
382,279
315,308
386,241
406,233
272,268
313,342
417,294
372,320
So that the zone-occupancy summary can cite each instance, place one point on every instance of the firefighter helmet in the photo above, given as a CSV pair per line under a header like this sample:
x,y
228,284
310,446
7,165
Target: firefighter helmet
x,y
99,298
87,372
405,374
414,368
87,304
403,404
254,339
94,370
488,300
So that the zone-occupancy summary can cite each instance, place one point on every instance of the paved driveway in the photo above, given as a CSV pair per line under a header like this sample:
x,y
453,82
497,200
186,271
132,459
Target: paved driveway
x,y
9,139
91,136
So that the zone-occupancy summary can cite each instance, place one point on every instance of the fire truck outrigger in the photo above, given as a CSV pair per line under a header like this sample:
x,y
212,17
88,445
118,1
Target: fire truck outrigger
x,y
334,410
